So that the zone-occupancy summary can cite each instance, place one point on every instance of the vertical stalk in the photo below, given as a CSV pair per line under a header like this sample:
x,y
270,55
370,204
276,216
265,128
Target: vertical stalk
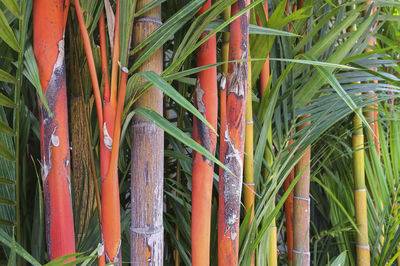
x,y
147,157
264,74
111,229
230,184
206,101
248,184
372,110
301,206
48,22
222,91
286,184
289,215
360,193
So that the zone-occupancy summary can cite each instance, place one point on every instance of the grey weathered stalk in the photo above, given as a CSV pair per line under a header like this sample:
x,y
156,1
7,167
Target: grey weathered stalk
x,y
147,157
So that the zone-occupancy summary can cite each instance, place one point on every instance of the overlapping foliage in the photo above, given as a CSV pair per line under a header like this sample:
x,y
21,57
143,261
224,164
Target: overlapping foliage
x,y
317,62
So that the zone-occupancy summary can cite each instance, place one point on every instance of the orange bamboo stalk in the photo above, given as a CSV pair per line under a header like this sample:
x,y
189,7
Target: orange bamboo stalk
x,y
91,65
286,184
103,55
233,145
289,216
66,9
147,155
111,229
48,21
264,74
206,101
372,114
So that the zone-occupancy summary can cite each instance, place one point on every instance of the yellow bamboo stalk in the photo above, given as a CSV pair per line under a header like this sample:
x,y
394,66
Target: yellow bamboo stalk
x,y
360,193
248,185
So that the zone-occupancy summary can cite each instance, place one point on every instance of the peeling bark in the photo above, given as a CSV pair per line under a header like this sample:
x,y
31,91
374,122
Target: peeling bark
x,y
147,155
232,147
48,32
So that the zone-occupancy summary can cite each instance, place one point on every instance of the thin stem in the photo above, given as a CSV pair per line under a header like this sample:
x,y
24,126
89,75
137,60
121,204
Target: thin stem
x,y
92,68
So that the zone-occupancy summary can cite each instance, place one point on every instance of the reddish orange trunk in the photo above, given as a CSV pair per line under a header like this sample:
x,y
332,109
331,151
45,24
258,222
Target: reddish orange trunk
x,y
289,215
111,229
206,101
48,21
264,74
233,145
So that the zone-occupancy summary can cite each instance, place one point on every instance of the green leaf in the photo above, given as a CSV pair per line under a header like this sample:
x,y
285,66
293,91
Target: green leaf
x,y
4,128
317,81
61,259
340,260
6,223
148,7
5,152
13,6
253,29
6,181
5,101
31,72
5,77
165,87
7,34
165,125
6,240
328,76
6,201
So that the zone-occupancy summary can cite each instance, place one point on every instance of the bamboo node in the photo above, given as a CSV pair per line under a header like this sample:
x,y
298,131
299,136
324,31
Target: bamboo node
x,y
155,21
250,122
248,184
301,198
359,189
363,247
307,253
147,230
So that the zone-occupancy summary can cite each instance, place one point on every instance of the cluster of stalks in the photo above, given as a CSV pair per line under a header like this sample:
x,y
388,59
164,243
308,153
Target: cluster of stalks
x,y
236,145
49,52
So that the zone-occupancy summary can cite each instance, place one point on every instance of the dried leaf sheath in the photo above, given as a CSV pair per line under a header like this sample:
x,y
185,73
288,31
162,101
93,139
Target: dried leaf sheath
x,y
206,101
48,20
147,154
230,186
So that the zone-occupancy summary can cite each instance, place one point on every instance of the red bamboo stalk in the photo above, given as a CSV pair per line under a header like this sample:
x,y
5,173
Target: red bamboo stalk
x,y
301,207
286,184
233,145
289,215
264,74
111,229
66,9
91,65
206,101
48,22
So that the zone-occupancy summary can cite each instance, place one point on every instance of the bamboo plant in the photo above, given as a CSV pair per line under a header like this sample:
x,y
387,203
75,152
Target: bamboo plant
x,y
147,156
230,183
206,101
49,53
